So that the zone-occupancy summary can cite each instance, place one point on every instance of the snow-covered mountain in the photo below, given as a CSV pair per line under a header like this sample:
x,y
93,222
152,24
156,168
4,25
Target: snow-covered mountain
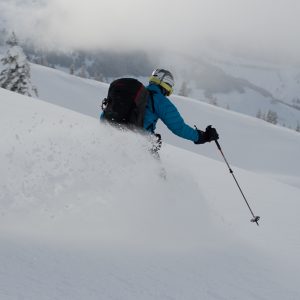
x,y
252,87
86,215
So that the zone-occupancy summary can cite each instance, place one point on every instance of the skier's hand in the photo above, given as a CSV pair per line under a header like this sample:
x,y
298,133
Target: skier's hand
x,y
210,134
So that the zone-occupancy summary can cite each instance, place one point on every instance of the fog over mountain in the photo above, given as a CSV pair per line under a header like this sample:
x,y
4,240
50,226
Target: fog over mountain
x,y
259,28
241,55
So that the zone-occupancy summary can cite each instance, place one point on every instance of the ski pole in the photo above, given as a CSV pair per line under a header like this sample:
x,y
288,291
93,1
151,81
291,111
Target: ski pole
x,y
255,218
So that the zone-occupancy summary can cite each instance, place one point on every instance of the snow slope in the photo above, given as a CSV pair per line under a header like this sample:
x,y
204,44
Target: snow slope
x,y
241,84
248,142
86,215
248,86
57,87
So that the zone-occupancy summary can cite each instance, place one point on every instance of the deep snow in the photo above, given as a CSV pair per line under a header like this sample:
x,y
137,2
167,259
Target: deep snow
x,y
86,215
247,141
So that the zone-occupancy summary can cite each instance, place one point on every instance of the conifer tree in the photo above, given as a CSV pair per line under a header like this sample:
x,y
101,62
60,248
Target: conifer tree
x,y
184,90
272,117
16,75
259,114
83,72
72,69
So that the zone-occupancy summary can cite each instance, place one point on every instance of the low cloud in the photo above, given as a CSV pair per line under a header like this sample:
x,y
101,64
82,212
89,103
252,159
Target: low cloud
x,y
265,28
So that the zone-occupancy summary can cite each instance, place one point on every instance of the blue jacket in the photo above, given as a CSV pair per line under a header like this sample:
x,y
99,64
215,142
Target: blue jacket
x,y
165,110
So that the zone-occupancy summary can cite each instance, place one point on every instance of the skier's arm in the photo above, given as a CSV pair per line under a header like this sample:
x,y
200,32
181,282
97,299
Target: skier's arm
x,y
169,114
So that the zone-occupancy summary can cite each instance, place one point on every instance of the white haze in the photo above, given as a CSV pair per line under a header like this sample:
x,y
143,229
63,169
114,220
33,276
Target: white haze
x,y
261,27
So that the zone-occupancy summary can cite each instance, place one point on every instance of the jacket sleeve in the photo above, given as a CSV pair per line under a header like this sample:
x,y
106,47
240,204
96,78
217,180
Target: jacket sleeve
x,y
169,114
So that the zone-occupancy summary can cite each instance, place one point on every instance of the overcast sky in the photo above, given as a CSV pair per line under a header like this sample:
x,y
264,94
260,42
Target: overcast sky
x,y
269,27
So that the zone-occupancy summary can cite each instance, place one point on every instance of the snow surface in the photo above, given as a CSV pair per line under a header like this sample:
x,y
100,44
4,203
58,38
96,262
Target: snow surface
x,y
243,85
240,84
85,213
247,141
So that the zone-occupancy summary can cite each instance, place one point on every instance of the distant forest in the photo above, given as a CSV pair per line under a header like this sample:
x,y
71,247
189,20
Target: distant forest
x,y
99,64
95,64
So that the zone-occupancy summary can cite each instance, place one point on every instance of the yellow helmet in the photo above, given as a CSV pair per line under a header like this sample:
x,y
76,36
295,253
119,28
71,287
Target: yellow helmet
x,y
164,79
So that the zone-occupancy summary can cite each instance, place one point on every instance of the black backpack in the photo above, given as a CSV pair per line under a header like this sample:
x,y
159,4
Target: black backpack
x,y
126,102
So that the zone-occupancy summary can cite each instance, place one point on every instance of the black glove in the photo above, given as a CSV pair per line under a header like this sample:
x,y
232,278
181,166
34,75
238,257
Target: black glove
x,y
210,134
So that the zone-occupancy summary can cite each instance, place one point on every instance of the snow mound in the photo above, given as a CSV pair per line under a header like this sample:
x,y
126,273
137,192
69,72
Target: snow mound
x,y
86,214
61,166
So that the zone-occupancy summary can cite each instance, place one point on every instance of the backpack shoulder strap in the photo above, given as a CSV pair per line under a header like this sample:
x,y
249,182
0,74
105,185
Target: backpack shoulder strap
x,y
152,101
151,126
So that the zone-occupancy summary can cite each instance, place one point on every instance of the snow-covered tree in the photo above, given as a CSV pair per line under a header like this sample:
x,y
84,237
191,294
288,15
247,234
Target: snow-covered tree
x,y
212,100
12,40
184,90
99,76
2,36
83,72
16,76
272,117
259,114
298,127
72,69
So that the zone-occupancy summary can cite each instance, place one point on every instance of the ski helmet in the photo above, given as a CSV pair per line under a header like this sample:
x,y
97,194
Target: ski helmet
x,y
164,79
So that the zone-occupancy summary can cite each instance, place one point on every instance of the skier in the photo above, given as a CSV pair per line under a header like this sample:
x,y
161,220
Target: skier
x,y
160,86
127,103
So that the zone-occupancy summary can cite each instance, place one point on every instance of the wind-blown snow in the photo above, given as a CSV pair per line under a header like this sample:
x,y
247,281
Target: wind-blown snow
x,y
85,213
